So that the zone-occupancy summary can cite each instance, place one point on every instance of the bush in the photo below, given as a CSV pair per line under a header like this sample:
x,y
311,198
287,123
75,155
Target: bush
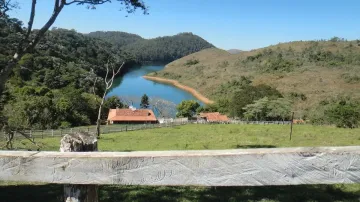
x,y
248,94
296,95
191,62
65,124
351,78
344,114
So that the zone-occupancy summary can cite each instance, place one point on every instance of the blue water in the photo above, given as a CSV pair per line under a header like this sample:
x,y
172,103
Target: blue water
x,y
132,86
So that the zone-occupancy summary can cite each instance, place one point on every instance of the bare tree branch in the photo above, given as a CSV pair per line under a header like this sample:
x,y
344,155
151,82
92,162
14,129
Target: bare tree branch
x,y
93,89
31,20
7,5
25,39
41,32
29,138
108,84
81,2
10,132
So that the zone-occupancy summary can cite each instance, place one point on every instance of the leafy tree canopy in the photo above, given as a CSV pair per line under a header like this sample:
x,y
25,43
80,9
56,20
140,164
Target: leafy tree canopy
x,y
187,108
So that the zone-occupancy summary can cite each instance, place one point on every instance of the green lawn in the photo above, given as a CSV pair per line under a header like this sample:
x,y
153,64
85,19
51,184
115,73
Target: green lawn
x,y
204,137
215,137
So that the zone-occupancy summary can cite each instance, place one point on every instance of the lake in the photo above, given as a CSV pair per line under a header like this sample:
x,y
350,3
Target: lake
x,y
132,86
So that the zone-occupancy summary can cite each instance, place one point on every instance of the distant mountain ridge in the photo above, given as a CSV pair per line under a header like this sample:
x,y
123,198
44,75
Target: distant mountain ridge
x,y
160,49
116,38
234,51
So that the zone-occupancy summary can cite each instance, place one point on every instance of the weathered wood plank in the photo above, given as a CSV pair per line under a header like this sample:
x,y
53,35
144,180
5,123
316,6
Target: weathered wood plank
x,y
245,167
79,142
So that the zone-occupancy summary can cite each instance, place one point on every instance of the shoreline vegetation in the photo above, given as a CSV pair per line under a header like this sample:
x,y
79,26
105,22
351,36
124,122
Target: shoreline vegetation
x,y
177,84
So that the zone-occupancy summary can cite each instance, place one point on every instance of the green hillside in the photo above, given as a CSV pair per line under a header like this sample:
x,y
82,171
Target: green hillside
x,y
307,73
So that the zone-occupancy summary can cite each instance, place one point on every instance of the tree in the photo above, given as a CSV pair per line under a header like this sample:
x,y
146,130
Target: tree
x,y
144,104
187,108
344,114
110,66
112,102
29,38
279,109
247,95
257,110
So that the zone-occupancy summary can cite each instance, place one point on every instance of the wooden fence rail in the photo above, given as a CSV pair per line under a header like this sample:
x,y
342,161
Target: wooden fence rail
x,y
243,167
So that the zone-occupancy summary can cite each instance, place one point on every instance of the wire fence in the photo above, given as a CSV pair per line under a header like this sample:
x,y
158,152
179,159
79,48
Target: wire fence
x,y
105,129
115,128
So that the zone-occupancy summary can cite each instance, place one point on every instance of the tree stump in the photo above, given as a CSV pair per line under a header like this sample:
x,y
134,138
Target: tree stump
x,y
79,142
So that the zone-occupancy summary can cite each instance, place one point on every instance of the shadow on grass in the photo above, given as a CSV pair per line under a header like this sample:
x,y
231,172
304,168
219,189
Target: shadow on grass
x,y
254,146
52,193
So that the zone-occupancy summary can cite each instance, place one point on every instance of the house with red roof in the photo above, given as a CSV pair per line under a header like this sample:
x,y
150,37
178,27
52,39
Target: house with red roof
x,y
131,116
214,117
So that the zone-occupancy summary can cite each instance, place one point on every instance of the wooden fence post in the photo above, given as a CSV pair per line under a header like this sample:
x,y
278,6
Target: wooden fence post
x,y
79,142
291,127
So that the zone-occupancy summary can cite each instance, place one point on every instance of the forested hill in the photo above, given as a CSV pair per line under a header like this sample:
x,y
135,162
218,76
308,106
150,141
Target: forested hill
x,y
53,86
309,74
160,49
116,38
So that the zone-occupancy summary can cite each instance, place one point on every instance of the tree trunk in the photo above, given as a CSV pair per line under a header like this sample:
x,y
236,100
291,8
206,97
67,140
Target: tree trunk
x,y
79,142
98,121
5,73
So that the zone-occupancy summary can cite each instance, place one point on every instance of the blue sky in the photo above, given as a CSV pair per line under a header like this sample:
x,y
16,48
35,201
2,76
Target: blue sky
x,y
241,24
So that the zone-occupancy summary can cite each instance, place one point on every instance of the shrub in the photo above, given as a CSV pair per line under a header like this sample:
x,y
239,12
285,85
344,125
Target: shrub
x,y
296,95
351,78
344,114
191,62
65,124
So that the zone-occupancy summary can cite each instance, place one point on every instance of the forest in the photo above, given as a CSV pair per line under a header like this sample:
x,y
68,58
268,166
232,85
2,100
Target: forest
x,y
54,85
160,49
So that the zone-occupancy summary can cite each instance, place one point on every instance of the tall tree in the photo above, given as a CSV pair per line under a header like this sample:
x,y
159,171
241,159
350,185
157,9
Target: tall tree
x,y
144,104
29,38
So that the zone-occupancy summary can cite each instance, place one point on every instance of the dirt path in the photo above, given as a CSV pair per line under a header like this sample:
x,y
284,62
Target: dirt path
x,y
181,86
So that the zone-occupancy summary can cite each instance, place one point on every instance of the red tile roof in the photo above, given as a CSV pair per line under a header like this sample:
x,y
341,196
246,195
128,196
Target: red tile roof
x,y
131,115
214,116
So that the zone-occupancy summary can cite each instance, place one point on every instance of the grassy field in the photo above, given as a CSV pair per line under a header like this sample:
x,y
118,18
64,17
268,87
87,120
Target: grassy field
x,y
204,137
191,137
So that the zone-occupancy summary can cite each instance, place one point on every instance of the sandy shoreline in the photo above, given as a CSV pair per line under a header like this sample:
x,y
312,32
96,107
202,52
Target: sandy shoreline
x,y
181,86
